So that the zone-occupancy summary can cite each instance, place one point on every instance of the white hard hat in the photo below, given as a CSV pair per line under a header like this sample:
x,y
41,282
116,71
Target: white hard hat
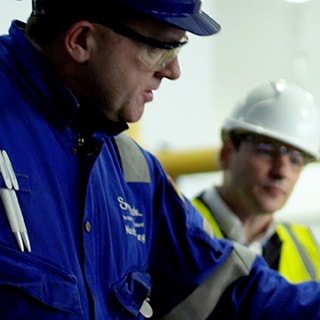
x,y
281,111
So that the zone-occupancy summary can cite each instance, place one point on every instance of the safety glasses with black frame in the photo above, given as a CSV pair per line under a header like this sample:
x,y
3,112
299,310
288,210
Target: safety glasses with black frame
x,y
270,149
154,54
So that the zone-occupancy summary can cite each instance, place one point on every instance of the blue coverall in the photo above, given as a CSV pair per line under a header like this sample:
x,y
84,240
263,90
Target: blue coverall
x,y
102,245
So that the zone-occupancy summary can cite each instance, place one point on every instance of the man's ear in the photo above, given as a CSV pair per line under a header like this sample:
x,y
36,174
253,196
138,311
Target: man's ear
x,y
78,39
226,150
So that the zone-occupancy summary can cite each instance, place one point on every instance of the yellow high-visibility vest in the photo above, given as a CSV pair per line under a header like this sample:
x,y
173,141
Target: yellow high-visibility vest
x,y
300,253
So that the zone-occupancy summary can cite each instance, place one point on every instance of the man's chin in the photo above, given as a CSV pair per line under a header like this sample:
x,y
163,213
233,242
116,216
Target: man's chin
x,y
135,116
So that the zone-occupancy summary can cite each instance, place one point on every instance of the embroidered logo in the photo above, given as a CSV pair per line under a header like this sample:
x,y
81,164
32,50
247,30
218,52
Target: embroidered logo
x,y
133,220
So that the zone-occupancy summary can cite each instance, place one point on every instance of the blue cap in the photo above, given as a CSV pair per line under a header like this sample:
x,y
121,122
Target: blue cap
x,y
183,14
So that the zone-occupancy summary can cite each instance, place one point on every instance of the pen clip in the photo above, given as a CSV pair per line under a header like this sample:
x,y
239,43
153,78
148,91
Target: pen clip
x,y
10,170
5,173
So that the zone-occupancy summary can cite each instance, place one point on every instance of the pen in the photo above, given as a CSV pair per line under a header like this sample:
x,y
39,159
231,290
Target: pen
x,y
11,203
15,202
21,224
7,203
10,171
10,212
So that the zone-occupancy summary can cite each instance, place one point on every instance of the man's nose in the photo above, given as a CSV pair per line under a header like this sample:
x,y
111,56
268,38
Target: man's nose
x,y
170,70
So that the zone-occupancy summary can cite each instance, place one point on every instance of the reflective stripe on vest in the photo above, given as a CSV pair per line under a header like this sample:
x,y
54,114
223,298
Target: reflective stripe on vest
x,y
202,301
134,165
300,253
206,213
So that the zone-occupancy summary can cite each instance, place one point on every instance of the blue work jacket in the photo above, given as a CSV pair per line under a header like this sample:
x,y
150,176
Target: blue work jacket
x,y
103,245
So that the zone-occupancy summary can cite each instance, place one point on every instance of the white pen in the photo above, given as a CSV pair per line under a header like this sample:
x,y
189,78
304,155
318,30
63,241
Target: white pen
x,y
10,171
20,220
15,202
8,204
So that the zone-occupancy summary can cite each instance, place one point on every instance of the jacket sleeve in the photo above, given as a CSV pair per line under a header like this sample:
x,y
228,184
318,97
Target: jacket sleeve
x,y
265,294
262,294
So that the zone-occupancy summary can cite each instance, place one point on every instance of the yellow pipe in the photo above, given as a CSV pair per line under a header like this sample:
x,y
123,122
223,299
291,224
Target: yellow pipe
x,y
182,162
189,161
134,131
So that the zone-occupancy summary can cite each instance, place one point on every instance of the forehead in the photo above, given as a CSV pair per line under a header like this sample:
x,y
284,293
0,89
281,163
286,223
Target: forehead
x,y
257,137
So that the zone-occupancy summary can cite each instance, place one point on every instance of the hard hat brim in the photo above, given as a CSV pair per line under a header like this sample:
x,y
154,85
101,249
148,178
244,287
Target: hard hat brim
x,y
301,143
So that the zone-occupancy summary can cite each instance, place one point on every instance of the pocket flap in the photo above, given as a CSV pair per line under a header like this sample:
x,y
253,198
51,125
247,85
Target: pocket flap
x,y
132,291
43,281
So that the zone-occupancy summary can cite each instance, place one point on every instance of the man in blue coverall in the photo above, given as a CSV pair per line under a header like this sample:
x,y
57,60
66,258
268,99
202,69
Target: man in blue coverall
x,y
91,226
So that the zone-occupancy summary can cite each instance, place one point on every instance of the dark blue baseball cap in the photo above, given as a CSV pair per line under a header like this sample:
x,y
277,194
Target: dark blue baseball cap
x,y
183,14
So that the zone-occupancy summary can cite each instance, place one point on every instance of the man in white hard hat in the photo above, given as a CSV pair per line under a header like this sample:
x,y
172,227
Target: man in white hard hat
x,y
267,140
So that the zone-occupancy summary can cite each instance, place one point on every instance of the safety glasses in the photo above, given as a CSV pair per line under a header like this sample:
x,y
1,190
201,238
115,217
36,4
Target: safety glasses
x,y
270,150
154,54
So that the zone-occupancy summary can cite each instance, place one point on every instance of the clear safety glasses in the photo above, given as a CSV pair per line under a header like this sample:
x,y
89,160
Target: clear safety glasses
x,y
270,150
154,54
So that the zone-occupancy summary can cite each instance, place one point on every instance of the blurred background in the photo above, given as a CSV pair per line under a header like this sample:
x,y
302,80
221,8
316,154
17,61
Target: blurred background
x,y
260,40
